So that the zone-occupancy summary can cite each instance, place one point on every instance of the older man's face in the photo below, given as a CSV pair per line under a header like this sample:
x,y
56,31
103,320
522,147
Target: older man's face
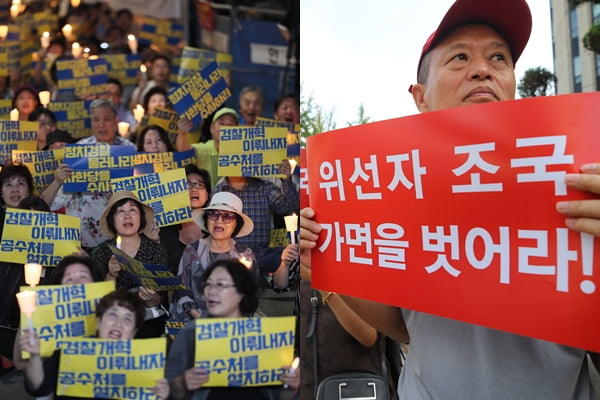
x,y
472,65
251,106
104,124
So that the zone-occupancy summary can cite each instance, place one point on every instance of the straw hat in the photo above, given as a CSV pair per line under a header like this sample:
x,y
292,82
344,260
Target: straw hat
x,y
120,195
225,201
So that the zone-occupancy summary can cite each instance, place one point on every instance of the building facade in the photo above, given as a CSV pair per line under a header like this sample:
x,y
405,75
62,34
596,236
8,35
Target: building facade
x,y
576,68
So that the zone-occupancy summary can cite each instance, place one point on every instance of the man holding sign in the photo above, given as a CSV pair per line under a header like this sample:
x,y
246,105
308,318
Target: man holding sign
x,y
469,60
88,206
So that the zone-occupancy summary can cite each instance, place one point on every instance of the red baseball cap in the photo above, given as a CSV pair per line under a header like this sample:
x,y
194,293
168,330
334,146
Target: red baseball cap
x,y
510,18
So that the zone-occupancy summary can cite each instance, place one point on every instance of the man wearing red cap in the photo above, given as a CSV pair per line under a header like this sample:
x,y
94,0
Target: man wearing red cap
x,y
470,59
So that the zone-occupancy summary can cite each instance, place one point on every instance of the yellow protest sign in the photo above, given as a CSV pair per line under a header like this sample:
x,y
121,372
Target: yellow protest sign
x,y
65,311
244,351
38,237
41,164
151,276
82,77
251,151
162,33
72,116
124,67
111,369
167,119
4,72
194,59
17,135
166,192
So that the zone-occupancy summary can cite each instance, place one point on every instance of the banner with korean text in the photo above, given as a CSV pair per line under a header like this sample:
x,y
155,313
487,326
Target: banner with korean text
x,y
166,192
73,117
244,351
17,135
251,151
293,135
82,77
94,165
5,104
151,276
65,311
201,94
194,59
303,186
162,33
41,164
147,163
111,369
453,213
124,67
38,237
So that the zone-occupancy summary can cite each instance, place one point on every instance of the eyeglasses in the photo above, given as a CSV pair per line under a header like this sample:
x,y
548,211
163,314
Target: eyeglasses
x,y
227,217
196,185
47,123
218,286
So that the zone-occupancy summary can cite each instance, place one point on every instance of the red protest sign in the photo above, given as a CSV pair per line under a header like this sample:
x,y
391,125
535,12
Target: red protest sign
x,y
453,213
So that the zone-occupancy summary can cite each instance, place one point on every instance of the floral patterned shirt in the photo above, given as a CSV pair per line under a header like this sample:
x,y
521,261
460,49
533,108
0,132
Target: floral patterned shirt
x,y
86,205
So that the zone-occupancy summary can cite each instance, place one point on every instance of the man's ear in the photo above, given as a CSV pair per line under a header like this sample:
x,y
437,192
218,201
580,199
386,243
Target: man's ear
x,y
418,93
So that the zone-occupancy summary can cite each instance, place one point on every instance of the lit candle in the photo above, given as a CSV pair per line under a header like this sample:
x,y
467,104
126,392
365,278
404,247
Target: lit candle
x,y
246,262
33,272
45,40
291,225
132,43
76,50
27,303
45,98
75,3
138,113
119,242
293,164
123,128
67,31
14,114
3,31
15,10
293,368
143,70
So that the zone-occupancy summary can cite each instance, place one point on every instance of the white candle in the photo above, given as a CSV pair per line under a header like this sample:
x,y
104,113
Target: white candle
x,y
67,31
293,164
27,301
76,50
246,262
291,225
132,43
143,70
138,113
15,10
293,368
123,128
45,98
3,31
14,114
33,272
45,40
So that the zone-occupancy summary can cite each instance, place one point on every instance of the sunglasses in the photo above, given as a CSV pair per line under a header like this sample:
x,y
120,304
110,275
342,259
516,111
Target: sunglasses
x,y
227,217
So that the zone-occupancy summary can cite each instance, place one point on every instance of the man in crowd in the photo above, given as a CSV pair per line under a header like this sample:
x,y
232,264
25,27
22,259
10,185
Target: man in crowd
x,y
87,206
252,104
469,60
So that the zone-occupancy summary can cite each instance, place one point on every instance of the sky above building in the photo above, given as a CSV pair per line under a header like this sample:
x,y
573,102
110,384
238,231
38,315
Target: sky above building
x,y
367,52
